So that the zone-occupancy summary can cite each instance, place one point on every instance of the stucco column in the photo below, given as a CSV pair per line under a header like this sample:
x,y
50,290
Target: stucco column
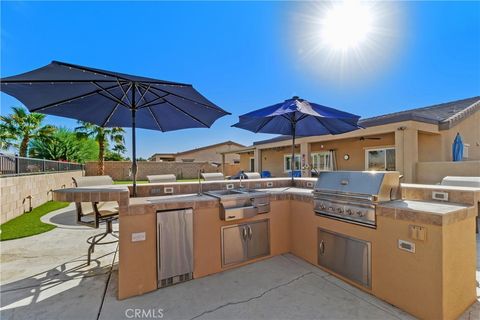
x,y
223,163
257,154
305,158
406,153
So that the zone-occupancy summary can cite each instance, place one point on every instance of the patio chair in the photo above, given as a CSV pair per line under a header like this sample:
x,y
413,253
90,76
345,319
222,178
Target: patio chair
x,y
266,174
161,178
251,175
92,214
296,173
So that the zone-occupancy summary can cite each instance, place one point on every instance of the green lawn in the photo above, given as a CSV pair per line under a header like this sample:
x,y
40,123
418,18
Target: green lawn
x,y
129,181
29,224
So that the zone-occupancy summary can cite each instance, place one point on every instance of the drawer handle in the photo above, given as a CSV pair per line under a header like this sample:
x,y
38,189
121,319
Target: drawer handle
x,y
262,204
322,247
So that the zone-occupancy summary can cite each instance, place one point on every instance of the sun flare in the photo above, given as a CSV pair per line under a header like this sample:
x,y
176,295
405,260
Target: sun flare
x,y
346,25
348,41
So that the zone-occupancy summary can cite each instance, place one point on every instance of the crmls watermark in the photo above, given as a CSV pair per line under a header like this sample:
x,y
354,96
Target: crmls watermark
x,y
140,313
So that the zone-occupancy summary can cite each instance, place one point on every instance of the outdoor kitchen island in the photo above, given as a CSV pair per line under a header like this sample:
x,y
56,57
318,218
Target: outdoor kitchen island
x,y
422,256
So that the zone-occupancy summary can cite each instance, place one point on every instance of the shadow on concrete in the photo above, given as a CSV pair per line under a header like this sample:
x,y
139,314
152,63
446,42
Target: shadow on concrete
x,y
67,291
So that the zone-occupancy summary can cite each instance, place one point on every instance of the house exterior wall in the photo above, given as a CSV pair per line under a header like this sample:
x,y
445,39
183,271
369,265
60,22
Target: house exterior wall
x,y
245,160
429,147
469,129
273,160
211,154
434,172
355,148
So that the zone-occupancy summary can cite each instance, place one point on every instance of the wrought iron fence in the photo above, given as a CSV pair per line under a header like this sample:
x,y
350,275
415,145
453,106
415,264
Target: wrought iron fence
x,y
14,165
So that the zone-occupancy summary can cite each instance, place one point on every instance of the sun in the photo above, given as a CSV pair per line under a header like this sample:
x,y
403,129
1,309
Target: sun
x,y
346,24
346,41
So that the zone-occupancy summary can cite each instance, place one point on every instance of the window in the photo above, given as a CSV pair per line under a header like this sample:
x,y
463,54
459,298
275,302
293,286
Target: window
x,y
380,159
287,163
322,161
252,164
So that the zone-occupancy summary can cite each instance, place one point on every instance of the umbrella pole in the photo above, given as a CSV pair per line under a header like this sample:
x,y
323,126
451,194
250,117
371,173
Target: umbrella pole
x,y
134,147
292,161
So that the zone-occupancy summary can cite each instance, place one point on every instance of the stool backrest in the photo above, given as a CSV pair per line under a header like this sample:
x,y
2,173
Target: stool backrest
x,y
159,178
91,181
215,176
87,208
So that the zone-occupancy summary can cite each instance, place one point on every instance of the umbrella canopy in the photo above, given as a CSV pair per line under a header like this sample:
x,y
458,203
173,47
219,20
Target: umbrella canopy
x,y
457,148
298,117
112,99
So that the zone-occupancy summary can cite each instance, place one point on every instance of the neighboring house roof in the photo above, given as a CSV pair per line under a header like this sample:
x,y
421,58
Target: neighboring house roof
x,y
229,142
445,115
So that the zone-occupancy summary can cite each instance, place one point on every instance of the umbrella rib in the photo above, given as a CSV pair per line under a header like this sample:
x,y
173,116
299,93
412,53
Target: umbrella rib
x,y
155,118
191,100
323,124
111,96
125,93
142,97
151,102
188,114
107,73
264,124
179,109
116,106
70,99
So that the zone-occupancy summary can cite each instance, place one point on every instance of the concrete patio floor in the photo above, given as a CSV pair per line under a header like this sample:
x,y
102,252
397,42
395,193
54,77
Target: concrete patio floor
x,y
46,277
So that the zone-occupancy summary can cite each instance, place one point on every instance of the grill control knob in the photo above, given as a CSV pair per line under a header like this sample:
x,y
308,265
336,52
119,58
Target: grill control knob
x,y
339,210
330,208
322,206
360,213
349,211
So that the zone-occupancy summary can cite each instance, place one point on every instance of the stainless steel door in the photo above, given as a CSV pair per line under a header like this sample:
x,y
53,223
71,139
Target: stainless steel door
x,y
234,248
174,244
258,244
346,256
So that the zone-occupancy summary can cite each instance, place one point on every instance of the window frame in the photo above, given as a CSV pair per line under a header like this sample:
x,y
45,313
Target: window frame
x,y
367,150
250,164
324,153
285,156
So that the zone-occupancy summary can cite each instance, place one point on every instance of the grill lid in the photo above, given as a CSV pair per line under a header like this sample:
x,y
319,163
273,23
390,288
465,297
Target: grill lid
x,y
382,184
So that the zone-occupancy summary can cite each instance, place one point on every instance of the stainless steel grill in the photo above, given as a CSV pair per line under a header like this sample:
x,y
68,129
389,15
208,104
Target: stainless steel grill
x,y
352,196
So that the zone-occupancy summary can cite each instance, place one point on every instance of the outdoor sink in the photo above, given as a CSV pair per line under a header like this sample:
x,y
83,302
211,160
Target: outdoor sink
x,y
241,203
234,192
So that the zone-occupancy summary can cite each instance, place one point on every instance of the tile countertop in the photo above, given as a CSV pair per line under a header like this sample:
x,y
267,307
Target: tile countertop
x,y
438,187
429,212
171,202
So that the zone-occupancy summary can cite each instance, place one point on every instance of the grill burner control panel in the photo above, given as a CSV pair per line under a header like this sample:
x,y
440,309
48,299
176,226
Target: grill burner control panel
x,y
364,213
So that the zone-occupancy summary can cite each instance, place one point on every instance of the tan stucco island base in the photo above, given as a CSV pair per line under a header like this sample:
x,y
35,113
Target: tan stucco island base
x,y
435,282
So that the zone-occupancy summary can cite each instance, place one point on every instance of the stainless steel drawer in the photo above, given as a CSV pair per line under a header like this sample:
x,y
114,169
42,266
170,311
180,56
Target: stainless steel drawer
x,y
346,256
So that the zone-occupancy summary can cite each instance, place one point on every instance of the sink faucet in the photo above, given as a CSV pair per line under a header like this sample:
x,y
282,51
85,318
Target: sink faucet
x,y
241,178
200,188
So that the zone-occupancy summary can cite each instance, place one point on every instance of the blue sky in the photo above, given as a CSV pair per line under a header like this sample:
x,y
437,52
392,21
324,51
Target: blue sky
x,y
246,55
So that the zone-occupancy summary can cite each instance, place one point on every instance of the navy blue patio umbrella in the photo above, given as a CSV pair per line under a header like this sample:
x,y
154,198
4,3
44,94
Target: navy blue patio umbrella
x,y
298,117
457,148
112,99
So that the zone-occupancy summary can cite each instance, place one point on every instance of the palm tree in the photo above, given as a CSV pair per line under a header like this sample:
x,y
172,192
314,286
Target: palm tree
x,y
64,145
102,136
18,128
